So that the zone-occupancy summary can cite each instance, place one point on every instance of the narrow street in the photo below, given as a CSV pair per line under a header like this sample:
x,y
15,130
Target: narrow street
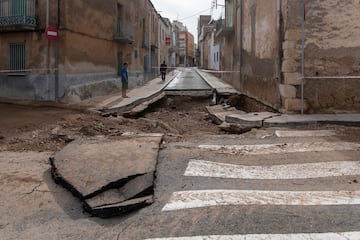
x,y
180,120
267,183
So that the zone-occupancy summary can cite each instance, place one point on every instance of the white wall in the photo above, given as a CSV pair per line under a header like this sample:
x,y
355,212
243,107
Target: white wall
x,y
214,56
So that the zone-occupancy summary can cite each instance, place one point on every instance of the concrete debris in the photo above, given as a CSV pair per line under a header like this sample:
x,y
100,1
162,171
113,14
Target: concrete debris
x,y
143,106
234,128
110,175
113,210
255,119
218,113
235,121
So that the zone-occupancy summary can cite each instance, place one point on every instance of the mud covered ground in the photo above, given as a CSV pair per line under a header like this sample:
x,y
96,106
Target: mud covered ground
x,y
49,128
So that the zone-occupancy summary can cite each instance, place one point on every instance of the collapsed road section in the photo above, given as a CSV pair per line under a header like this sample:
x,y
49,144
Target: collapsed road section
x,y
110,175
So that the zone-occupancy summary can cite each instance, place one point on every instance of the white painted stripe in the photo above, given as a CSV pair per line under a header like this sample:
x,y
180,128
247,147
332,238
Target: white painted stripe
x,y
307,133
52,33
202,168
208,198
298,236
282,148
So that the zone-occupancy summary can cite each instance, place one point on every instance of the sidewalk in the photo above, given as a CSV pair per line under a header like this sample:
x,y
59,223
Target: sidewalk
x,y
138,95
152,91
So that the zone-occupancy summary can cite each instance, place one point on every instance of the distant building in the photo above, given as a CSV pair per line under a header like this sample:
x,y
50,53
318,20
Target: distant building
x,y
165,36
205,26
190,50
185,45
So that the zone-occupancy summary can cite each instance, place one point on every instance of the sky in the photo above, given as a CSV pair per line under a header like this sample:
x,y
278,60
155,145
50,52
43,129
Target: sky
x,y
186,11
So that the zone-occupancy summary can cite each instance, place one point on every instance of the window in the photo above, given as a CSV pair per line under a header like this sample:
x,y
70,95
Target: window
x,y
153,24
229,13
17,56
19,8
119,19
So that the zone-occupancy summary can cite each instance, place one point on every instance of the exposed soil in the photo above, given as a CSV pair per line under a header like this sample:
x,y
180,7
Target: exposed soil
x,y
39,128
36,127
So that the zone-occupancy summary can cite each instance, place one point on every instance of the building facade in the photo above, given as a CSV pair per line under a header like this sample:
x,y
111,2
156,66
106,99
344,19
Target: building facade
x,y
190,50
165,43
215,54
264,56
204,27
185,45
94,39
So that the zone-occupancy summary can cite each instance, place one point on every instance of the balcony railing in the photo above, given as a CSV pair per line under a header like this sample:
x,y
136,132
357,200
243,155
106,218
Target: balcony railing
x,y
222,29
17,15
124,31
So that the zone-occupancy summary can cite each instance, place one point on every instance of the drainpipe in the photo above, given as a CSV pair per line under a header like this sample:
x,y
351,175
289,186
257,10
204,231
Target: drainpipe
x,y
159,39
57,54
302,56
47,12
240,40
150,18
281,35
48,42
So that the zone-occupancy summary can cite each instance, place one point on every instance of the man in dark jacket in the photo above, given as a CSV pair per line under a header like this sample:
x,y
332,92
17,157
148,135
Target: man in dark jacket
x,y
163,68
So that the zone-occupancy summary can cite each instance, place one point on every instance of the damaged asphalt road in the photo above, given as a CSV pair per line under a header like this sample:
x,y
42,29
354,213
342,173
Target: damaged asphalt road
x,y
34,207
111,176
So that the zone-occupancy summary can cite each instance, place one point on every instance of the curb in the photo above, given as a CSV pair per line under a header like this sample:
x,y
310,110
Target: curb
x,y
138,101
313,120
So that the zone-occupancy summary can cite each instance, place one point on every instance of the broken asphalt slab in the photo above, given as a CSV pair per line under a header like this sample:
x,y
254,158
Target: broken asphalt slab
x,y
286,120
218,113
110,175
237,121
140,98
254,119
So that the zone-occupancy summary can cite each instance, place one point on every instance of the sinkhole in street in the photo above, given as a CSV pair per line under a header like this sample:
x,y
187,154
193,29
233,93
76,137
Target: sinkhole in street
x,y
189,115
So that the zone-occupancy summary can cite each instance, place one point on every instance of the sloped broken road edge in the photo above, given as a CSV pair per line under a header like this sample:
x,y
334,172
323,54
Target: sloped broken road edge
x,y
111,176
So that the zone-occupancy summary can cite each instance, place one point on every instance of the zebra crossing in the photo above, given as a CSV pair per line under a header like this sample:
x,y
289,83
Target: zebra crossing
x,y
302,236
193,199
201,168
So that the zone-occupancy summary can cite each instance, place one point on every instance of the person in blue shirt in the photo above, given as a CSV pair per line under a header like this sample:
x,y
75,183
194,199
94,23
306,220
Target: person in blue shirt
x,y
124,79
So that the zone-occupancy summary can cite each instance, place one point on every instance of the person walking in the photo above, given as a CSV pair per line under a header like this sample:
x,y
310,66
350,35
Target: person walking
x,y
124,79
163,68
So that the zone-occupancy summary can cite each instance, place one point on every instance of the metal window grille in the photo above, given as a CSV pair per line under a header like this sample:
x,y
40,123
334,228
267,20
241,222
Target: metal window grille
x,y
229,13
21,13
17,56
17,8
118,25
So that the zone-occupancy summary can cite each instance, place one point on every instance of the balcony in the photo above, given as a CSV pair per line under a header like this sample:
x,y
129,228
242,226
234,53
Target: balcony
x,y
124,32
223,29
18,15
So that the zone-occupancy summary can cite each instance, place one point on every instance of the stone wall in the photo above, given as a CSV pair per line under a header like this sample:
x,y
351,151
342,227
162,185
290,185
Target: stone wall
x,y
332,53
291,58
